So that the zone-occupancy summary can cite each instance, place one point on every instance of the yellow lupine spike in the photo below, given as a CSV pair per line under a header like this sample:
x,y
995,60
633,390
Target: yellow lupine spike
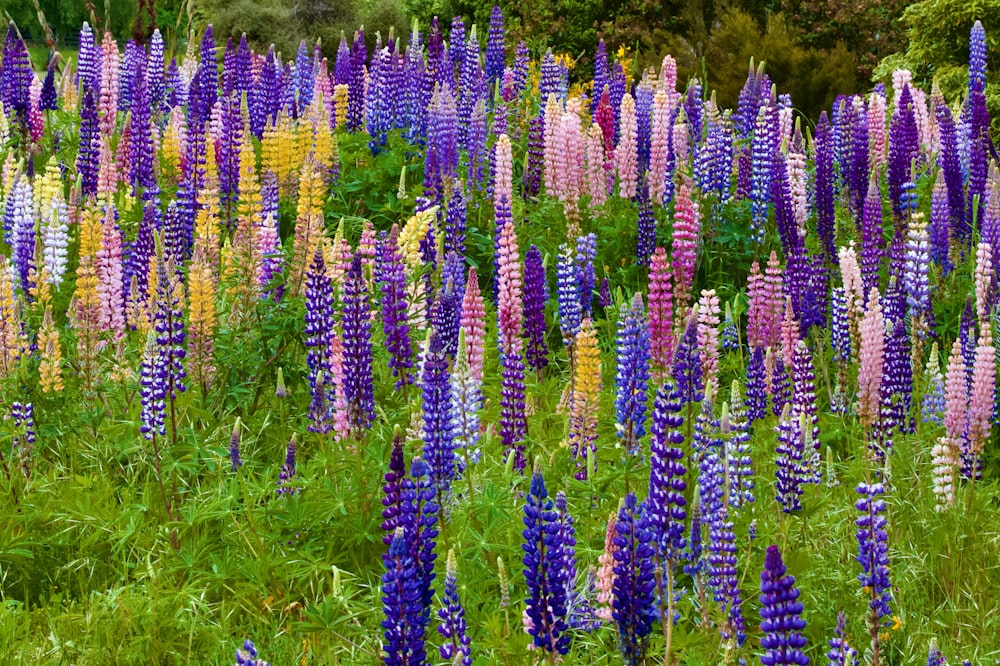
x,y
50,376
340,99
412,233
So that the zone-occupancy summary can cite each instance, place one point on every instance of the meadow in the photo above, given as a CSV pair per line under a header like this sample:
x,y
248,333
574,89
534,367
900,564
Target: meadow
x,y
444,351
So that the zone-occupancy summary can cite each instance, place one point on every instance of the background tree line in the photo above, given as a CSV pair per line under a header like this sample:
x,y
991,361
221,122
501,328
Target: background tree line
x,y
812,48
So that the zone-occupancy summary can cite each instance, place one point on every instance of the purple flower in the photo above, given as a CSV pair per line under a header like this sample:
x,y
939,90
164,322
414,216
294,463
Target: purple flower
x,y
544,570
234,447
824,187
495,47
319,334
665,505
586,252
404,624
687,371
780,614
873,549
439,428
288,470
16,75
756,386
456,649
841,653
359,388
634,582
632,377
567,294
536,294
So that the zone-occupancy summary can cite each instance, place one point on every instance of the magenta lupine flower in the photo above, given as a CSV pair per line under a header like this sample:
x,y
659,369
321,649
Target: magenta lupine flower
x,y
687,228
536,292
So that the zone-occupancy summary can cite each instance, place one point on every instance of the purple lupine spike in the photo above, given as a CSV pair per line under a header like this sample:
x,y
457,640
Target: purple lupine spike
x,y
207,78
456,46
536,294
442,142
567,294
604,293
804,406
286,91
756,386
550,83
740,465
448,309
840,336
762,149
419,519
842,115
285,486
471,87
781,387
243,67
687,371
133,58
88,70
616,92
665,505
873,550
228,157
456,648
977,58
356,82
19,228
897,382
522,59
747,105
356,325
632,376
392,500
824,187
871,237
305,76
400,605
380,102
903,147
532,179
153,389
722,572
495,48
917,269
586,252
142,172
342,65
88,159
154,74
544,571
438,67
633,586
141,252
475,145
16,75
780,614
438,428
841,653
319,335
49,100
784,214
229,68
646,233
455,221
175,91
859,174
644,121
602,74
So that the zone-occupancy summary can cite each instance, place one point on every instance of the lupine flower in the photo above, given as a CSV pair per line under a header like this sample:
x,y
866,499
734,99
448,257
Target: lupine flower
x,y
604,293
544,571
872,330
873,553
763,146
439,429
687,225
626,156
687,371
781,383
739,460
466,392
535,297
780,614
824,186
247,656
632,377
452,620
473,324
567,294
633,609
586,251
285,486
804,405
585,399
606,572
708,333
319,333
234,446
841,653
513,425
356,326
756,386
661,312
730,334
981,399
791,472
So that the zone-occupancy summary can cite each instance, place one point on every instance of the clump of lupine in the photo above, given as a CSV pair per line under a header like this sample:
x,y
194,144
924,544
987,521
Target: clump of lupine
x,y
196,213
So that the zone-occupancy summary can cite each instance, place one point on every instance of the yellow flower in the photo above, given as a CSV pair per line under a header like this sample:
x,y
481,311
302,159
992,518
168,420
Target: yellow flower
x,y
896,623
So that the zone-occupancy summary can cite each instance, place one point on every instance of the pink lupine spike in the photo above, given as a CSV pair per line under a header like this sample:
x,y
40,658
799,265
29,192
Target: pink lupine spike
x,y
552,119
341,421
509,301
474,325
956,396
626,152
872,360
984,281
680,138
659,147
596,177
110,285
503,184
661,313
757,311
687,227
877,131
981,396
708,333
107,104
569,159
789,334
775,290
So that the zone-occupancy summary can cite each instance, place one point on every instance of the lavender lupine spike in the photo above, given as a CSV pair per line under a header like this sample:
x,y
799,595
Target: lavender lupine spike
x,y
740,462
466,391
632,377
535,296
762,150
841,653
570,309
780,614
